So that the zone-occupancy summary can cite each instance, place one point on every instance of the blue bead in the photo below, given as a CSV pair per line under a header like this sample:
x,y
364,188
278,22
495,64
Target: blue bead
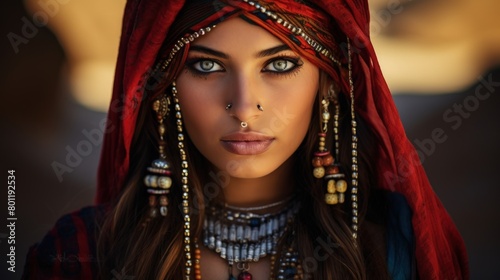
x,y
254,222
290,272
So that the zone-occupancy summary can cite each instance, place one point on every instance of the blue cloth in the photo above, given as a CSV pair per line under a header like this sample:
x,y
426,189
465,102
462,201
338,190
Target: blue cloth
x,y
400,239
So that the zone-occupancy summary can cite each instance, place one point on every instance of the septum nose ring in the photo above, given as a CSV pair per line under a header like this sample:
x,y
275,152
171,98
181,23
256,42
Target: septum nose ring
x,y
244,124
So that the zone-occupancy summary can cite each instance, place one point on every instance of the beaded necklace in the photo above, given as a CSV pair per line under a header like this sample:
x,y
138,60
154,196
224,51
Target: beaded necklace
x,y
241,236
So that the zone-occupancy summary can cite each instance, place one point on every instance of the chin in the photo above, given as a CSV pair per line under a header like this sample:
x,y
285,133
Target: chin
x,y
249,168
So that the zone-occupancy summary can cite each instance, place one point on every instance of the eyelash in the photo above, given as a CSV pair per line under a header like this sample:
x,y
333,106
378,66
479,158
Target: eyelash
x,y
298,63
190,62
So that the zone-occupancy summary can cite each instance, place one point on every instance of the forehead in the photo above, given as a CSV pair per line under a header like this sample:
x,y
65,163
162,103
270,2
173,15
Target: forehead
x,y
236,35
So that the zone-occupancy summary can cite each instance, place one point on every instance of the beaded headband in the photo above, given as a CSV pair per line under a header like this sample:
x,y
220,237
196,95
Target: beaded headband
x,y
184,41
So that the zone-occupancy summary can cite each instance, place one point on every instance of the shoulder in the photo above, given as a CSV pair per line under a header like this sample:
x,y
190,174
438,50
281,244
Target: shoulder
x,y
68,250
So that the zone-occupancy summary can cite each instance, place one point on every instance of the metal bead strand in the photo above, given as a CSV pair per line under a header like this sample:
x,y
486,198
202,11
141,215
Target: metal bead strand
x,y
354,189
180,44
185,186
336,128
295,30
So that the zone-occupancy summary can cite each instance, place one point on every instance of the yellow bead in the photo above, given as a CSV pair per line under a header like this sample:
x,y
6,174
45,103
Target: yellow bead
x,y
151,181
341,186
319,172
326,116
161,129
341,198
330,187
331,198
156,105
164,182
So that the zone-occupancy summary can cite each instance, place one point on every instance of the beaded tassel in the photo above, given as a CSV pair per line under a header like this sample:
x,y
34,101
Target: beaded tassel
x,y
336,185
324,163
185,186
158,181
322,158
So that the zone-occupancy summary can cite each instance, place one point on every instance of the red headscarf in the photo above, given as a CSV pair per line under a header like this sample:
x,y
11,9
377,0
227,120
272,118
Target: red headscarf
x,y
440,251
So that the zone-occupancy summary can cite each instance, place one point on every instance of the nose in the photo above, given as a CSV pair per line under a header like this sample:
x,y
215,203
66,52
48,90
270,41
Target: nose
x,y
244,99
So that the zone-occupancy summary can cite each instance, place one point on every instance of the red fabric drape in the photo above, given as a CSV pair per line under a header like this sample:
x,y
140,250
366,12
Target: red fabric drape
x,y
440,251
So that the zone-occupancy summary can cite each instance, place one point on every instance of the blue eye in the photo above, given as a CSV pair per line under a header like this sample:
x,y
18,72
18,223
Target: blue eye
x,y
206,66
281,65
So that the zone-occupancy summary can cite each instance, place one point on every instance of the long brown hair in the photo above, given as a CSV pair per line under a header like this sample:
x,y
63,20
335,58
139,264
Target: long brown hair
x,y
152,249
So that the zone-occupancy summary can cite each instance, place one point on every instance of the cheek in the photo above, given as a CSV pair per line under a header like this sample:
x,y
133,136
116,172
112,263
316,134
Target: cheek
x,y
291,117
299,107
199,114
302,108
300,103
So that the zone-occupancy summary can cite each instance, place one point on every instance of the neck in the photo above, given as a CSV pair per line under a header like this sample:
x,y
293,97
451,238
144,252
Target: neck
x,y
273,187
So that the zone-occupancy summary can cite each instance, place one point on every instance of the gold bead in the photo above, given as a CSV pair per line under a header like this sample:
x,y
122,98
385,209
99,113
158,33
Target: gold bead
x,y
319,172
330,187
161,129
326,116
153,180
341,186
331,198
341,198
164,182
156,105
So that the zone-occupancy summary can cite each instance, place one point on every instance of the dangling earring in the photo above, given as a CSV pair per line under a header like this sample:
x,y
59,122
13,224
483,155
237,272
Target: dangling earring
x,y
323,162
336,185
158,181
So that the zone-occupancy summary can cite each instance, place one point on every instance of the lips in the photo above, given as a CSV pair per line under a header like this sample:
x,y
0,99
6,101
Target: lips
x,y
246,143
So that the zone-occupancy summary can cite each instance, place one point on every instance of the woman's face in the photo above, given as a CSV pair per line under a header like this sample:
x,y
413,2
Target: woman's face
x,y
243,65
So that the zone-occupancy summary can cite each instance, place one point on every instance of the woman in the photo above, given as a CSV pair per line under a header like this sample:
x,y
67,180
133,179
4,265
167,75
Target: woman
x,y
255,140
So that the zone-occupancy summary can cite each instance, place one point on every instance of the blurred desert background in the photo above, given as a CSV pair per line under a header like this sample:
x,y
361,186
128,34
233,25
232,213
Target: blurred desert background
x,y
441,59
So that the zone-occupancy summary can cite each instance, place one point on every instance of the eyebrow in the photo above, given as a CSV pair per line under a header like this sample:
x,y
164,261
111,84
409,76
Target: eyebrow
x,y
207,50
273,50
263,53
